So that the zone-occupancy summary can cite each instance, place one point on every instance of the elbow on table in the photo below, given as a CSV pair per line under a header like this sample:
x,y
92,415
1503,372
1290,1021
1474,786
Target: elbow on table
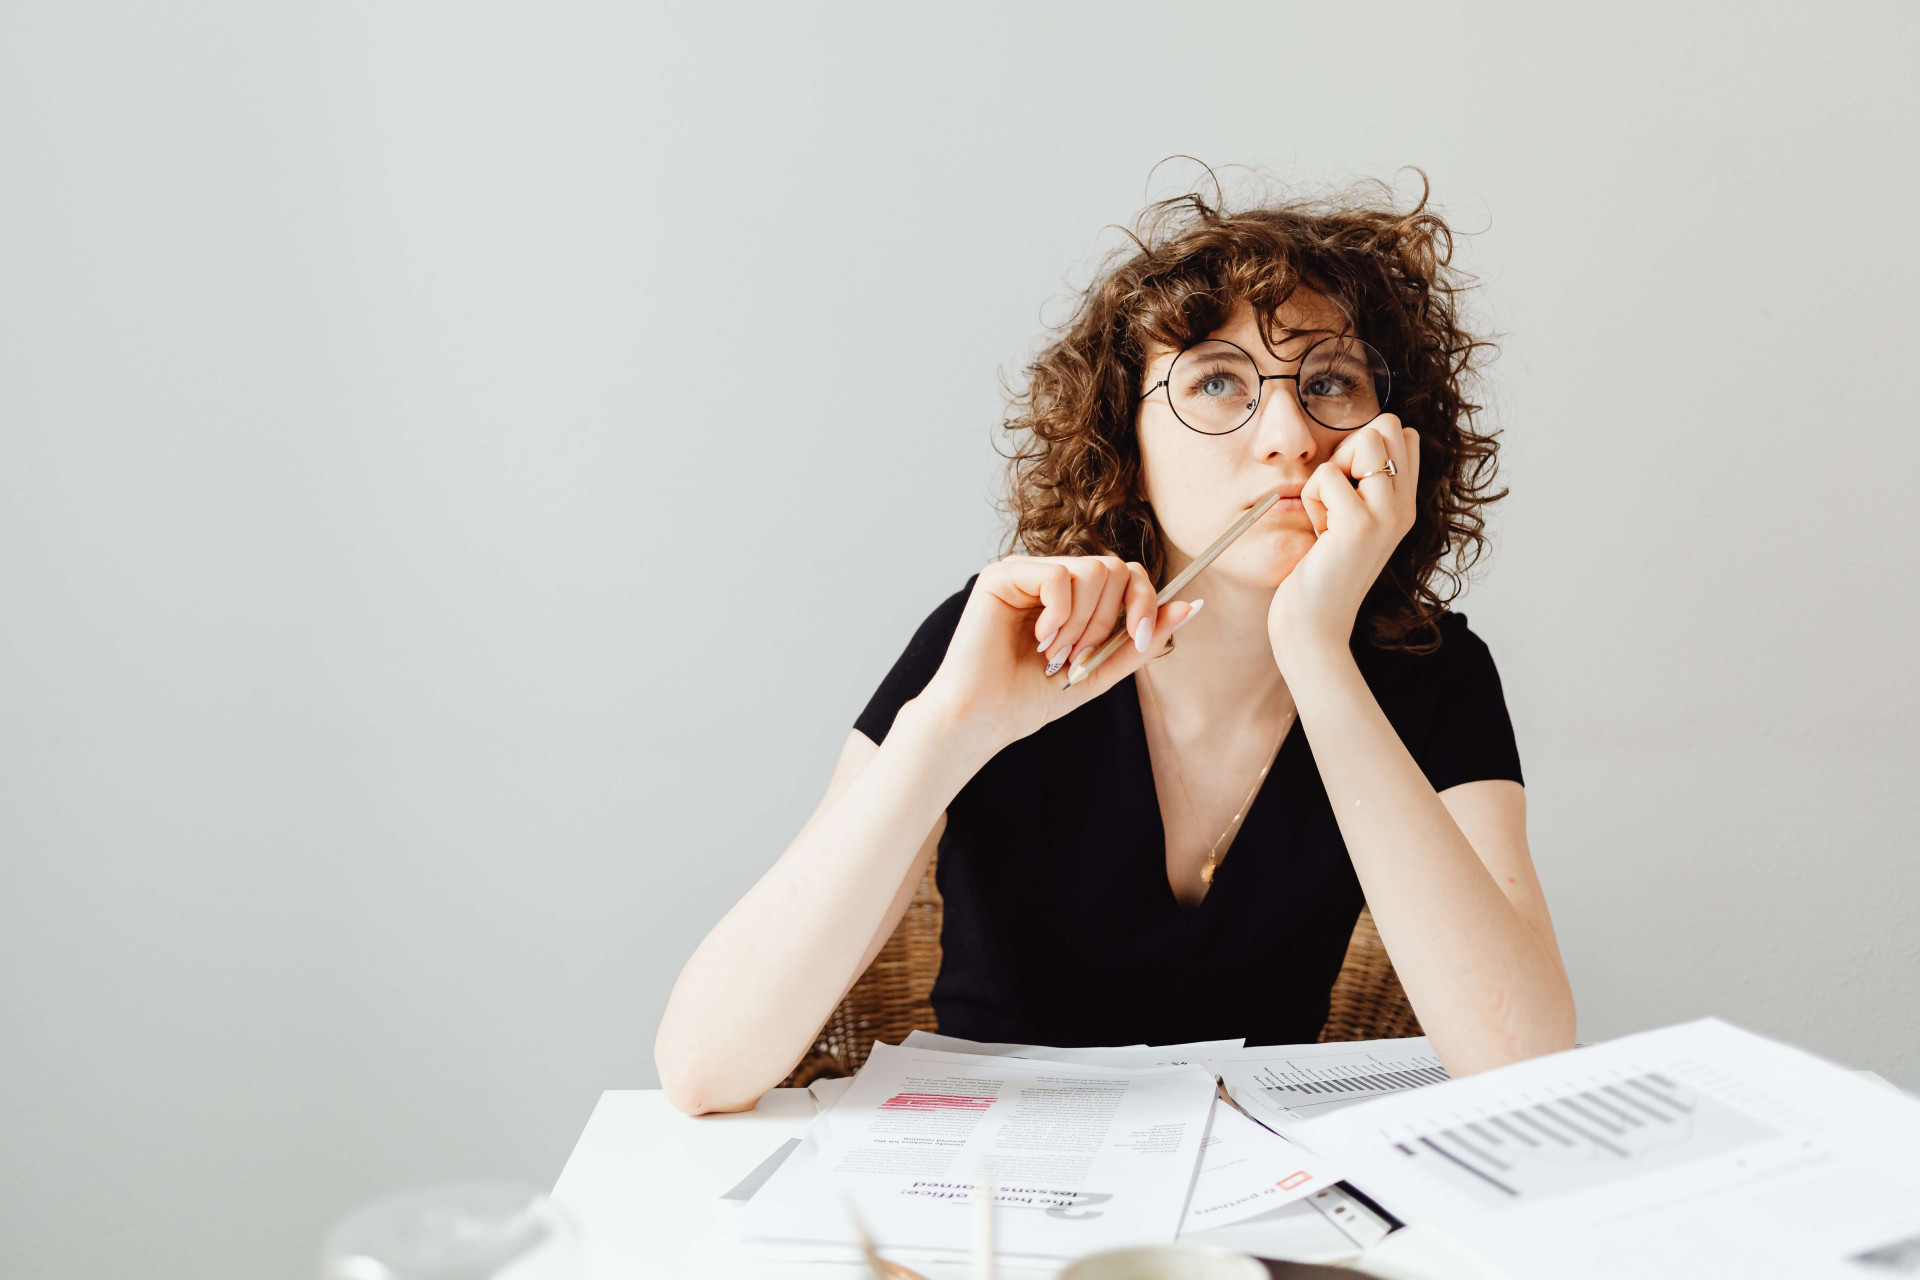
x,y
696,1103
1558,1024
698,1090
1543,1032
1506,1033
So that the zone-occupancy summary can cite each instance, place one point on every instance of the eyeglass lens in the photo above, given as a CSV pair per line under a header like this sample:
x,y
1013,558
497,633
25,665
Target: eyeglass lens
x,y
1213,386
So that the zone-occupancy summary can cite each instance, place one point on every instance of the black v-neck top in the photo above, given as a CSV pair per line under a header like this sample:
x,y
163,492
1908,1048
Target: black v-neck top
x,y
1060,926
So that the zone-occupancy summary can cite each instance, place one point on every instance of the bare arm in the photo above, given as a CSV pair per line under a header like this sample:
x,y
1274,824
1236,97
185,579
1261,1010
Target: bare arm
x,y
1448,877
753,997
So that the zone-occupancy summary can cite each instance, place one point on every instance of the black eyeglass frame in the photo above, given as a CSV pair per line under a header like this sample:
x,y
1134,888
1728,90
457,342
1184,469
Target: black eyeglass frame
x,y
1260,387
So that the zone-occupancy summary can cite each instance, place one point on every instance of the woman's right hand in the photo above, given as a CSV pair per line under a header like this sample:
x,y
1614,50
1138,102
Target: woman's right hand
x,y
1028,613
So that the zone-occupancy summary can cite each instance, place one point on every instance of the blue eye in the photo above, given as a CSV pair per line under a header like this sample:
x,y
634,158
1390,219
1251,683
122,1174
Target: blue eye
x,y
1218,385
1327,386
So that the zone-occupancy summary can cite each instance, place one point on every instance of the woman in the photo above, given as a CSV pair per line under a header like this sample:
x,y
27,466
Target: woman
x,y
1324,720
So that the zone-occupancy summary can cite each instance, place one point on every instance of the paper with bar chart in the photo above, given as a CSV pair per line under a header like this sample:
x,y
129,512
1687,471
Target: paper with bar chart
x,y
1699,1150
1618,1123
1282,1085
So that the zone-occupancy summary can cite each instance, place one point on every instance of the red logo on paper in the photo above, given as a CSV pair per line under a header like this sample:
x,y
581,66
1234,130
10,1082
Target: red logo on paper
x,y
1292,1180
935,1101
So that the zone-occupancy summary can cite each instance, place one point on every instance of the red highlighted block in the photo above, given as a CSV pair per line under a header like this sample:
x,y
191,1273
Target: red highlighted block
x,y
935,1101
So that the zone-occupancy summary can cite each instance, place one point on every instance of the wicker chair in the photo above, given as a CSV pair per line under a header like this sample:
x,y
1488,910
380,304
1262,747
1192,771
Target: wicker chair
x,y
895,994
1368,1002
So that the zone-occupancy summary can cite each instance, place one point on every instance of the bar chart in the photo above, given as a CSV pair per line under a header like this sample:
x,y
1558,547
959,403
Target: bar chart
x,y
1299,1087
1296,1084
1533,1147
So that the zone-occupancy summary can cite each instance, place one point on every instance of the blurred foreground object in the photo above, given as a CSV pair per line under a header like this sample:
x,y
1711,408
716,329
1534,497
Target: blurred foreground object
x,y
457,1231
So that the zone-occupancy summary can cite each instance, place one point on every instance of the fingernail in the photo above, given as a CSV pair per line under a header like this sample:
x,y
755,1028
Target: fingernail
x,y
1197,606
1048,639
1059,661
1142,634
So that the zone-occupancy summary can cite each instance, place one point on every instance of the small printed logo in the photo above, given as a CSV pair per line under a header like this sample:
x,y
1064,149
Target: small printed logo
x,y
1292,1180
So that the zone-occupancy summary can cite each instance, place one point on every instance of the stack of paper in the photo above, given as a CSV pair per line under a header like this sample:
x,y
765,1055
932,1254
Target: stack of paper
x,y
1700,1151
1200,1053
1088,1149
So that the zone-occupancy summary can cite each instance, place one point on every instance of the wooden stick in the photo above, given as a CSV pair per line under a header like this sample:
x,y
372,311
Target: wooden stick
x,y
876,1269
1081,669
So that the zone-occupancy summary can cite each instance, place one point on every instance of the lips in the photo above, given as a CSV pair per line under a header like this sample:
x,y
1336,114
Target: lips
x,y
1288,494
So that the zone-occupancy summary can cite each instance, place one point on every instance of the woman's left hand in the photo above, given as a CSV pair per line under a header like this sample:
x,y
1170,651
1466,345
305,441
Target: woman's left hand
x,y
1358,524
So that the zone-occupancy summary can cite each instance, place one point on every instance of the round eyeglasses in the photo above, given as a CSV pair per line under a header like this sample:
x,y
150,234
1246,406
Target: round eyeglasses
x,y
1214,386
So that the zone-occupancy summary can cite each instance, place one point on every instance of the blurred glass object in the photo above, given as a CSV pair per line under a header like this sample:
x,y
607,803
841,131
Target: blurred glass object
x,y
459,1231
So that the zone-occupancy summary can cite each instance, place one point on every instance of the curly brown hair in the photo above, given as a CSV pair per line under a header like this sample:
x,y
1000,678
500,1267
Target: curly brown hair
x,y
1074,469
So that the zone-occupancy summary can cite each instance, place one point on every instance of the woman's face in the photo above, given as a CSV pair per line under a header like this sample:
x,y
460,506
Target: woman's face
x,y
1200,484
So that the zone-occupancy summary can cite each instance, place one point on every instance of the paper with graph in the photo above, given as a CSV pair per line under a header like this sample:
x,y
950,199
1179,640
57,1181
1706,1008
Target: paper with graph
x,y
1084,1157
1283,1085
1699,1150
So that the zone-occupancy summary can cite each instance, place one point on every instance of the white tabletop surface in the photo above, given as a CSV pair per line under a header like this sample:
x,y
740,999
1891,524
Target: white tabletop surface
x,y
645,1182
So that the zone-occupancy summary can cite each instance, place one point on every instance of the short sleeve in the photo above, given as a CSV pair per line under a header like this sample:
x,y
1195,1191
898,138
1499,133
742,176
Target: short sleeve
x,y
915,667
1471,738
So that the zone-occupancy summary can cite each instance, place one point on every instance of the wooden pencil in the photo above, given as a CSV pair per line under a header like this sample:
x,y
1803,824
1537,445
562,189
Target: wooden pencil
x,y
1081,669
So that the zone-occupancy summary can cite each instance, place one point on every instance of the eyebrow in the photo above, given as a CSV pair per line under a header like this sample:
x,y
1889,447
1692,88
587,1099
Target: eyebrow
x,y
1291,334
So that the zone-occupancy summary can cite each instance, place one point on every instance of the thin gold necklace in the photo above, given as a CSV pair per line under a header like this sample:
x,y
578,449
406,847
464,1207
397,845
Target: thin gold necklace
x,y
1213,854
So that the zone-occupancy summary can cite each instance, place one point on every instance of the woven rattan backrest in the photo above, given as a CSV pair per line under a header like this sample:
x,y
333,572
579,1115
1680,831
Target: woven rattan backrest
x,y
894,995
1368,1002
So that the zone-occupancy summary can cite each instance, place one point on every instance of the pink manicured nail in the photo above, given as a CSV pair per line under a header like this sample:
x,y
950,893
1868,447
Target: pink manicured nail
x,y
1197,604
1048,639
1059,661
1142,634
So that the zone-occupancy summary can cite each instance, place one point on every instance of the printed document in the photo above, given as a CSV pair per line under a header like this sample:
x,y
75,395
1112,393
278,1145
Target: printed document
x,y
1329,1226
1246,1171
1699,1151
1282,1085
1084,1157
1135,1055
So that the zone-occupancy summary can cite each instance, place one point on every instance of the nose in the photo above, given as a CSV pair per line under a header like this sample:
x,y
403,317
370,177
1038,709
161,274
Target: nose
x,y
1281,428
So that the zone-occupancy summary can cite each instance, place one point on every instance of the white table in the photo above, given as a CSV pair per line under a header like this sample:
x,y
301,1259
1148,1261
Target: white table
x,y
645,1183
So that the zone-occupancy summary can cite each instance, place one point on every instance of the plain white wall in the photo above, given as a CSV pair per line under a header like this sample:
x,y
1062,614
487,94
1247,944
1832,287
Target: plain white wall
x,y
464,466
